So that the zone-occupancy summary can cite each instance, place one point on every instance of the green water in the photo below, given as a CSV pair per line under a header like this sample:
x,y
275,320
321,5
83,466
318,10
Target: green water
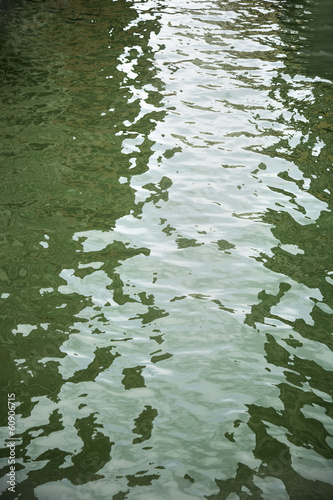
x,y
166,249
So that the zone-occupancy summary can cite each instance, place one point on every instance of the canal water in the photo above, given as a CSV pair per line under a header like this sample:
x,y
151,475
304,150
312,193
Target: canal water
x,y
166,249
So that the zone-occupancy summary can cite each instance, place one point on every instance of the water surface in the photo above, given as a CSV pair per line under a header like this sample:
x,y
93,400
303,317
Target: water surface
x,y
166,263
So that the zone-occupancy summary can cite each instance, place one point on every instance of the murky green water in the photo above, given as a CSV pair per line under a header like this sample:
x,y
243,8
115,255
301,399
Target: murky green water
x,y
166,249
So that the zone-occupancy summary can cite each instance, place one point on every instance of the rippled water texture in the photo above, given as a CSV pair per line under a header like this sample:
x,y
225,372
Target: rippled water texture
x,y
166,257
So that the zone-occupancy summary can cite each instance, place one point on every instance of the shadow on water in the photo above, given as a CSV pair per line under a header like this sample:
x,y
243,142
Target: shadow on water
x,y
75,134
